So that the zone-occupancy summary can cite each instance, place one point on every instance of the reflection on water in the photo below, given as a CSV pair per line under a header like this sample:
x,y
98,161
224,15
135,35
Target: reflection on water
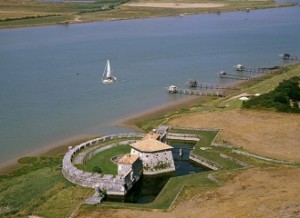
x,y
148,187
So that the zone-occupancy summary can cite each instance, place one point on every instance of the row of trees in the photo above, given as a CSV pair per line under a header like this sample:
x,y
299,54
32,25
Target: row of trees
x,y
284,98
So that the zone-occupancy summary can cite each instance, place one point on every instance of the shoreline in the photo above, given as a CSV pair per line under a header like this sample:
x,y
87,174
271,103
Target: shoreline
x,y
55,148
202,8
159,111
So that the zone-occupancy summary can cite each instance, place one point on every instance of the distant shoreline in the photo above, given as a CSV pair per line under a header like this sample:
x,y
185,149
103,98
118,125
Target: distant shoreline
x,y
68,13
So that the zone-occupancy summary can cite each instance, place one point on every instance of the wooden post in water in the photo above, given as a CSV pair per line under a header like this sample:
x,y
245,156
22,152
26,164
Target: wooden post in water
x,y
180,152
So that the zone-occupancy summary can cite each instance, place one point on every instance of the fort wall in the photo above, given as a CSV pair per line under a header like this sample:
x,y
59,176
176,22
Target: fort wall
x,y
112,184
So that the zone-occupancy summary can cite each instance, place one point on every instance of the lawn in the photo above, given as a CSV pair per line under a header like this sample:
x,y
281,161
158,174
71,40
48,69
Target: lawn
x,y
103,160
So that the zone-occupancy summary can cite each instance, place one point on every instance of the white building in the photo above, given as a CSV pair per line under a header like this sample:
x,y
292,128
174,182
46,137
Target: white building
x,y
156,156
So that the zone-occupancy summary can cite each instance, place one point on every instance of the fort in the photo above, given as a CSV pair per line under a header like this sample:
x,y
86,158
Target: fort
x,y
149,156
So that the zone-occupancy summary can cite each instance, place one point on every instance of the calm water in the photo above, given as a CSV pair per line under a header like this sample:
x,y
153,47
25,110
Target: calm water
x,y
50,85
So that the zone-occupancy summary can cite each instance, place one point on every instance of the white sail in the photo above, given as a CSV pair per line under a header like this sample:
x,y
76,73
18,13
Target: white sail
x,y
107,74
108,69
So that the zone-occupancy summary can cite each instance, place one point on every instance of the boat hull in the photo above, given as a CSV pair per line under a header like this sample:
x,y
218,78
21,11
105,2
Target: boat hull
x,y
109,81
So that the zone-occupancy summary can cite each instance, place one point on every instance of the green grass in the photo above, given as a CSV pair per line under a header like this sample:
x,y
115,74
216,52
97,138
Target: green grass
x,y
36,185
63,201
103,160
148,125
167,195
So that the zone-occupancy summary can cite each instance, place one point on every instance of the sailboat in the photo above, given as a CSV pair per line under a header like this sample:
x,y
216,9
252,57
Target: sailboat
x,y
107,74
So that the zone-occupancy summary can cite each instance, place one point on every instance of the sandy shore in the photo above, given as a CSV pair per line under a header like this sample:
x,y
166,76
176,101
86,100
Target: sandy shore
x,y
159,111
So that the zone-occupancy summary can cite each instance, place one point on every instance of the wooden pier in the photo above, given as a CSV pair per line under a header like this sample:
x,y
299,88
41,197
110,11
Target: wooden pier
x,y
289,57
260,70
256,70
238,77
197,92
214,86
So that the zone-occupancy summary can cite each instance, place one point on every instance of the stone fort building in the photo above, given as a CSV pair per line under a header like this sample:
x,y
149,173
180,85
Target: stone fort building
x,y
155,155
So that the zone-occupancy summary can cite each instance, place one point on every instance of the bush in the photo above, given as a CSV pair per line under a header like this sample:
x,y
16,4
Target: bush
x,y
97,169
287,91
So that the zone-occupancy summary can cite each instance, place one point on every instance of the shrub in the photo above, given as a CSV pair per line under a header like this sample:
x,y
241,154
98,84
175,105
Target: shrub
x,y
97,169
287,91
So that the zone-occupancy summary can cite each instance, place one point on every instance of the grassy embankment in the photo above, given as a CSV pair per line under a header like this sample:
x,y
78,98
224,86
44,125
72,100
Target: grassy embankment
x,y
22,13
39,188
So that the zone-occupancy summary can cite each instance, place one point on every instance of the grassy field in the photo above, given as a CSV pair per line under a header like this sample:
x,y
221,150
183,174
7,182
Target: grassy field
x,y
38,187
21,13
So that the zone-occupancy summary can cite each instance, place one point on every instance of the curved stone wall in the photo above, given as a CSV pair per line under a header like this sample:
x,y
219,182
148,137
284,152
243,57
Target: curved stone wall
x,y
112,184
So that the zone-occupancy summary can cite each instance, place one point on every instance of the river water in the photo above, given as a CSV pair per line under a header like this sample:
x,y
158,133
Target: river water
x,y
50,77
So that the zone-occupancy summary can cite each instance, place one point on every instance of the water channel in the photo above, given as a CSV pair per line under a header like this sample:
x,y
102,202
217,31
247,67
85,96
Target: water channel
x,y
148,187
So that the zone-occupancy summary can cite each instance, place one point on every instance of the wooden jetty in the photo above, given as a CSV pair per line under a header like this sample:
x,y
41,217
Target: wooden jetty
x,y
201,85
256,70
194,92
289,57
224,75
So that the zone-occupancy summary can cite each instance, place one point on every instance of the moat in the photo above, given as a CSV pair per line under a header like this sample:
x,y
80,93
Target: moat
x,y
148,187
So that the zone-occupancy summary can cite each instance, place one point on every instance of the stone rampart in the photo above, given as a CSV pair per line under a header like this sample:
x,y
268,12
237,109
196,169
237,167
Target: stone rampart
x,y
259,157
204,162
199,129
234,160
180,136
112,184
